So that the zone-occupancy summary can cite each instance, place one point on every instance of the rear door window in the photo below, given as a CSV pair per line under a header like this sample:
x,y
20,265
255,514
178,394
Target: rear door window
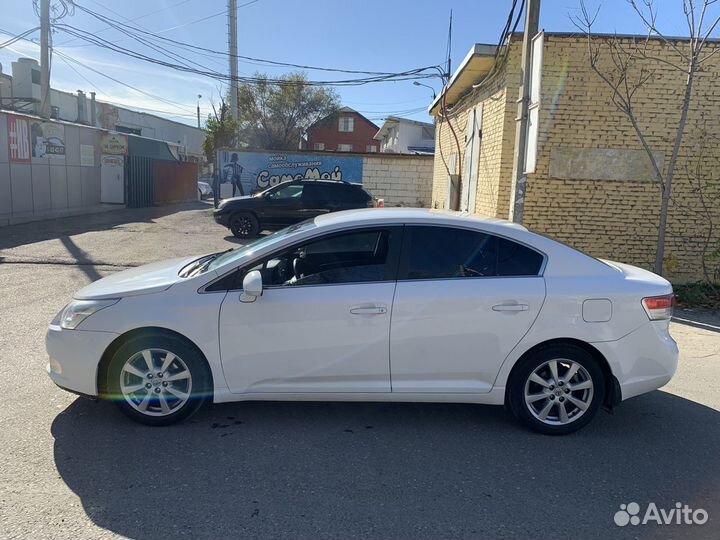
x,y
446,252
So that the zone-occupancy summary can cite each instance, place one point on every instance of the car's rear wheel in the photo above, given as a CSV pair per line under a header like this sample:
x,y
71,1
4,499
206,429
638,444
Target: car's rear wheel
x,y
244,225
557,390
158,379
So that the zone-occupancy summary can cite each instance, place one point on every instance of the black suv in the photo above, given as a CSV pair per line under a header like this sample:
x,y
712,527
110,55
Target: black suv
x,y
288,203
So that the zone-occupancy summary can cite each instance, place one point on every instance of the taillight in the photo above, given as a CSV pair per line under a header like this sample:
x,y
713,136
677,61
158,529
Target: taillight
x,y
659,307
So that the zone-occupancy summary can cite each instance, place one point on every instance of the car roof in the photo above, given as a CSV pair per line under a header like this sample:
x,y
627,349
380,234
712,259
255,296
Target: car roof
x,y
416,215
326,182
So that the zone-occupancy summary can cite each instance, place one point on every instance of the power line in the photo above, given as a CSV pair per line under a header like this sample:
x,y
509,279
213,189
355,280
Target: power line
x,y
415,74
159,98
18,37
195,48
129,20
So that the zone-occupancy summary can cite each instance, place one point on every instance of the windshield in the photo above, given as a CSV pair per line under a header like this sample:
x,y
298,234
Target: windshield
x,y
252,247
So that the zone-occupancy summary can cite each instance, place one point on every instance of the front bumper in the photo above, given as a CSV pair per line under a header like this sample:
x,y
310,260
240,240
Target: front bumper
x,y
644,360
74,356
221,218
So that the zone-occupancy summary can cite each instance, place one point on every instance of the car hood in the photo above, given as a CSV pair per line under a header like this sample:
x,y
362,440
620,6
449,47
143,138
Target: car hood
x,y
146,279
236,200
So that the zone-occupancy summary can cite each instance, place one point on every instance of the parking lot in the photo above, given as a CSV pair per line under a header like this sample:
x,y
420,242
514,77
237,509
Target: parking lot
x,y
73,468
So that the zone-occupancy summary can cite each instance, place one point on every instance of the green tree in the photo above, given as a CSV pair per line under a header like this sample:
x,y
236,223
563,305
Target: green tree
x,y
275,115
222,131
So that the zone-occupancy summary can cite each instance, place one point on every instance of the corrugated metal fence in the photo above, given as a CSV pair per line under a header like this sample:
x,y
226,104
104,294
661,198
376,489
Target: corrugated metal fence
x,y
139,181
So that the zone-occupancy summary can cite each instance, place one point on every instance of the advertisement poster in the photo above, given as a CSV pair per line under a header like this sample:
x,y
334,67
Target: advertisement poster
x,y
19,139
48,140
250,172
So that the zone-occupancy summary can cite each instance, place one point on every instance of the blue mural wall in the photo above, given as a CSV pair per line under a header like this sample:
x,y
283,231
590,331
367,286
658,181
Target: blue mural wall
x,y
257,171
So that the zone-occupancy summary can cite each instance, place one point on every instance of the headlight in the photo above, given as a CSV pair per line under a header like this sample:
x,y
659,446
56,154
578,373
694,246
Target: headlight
x,y
79,310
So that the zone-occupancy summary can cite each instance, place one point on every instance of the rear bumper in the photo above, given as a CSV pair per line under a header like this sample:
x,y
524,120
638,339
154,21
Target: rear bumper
x,y
74,356
643,360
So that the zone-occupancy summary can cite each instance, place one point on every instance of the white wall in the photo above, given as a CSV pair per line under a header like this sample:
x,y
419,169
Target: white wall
x,y
399,180
403,135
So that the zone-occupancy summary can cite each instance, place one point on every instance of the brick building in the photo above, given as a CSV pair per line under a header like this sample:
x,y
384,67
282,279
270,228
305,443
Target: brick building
x,y
590,184
345,131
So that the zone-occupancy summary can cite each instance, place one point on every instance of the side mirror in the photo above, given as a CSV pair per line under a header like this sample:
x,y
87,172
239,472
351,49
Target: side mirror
x,y
252,287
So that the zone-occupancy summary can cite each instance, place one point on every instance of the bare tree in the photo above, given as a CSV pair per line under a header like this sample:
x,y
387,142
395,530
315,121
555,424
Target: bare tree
x,y
630,70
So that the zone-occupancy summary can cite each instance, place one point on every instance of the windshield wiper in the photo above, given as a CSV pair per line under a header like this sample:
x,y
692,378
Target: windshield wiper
x,y
202,266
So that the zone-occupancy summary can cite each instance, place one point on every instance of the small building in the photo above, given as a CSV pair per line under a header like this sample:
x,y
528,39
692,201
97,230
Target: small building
x,y
590,182
21,92
343,131
404,136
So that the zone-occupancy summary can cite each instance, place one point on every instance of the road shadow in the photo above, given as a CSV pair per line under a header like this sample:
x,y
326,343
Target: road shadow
x,y
705,319
371,470
38,231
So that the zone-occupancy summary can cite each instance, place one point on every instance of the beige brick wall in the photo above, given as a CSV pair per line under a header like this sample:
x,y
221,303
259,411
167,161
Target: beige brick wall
x,y
618,219
497,140
400,180
608,218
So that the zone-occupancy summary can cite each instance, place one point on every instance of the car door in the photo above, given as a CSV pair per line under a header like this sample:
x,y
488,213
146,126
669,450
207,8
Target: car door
x,y
281,206
322,323
316,200
464,299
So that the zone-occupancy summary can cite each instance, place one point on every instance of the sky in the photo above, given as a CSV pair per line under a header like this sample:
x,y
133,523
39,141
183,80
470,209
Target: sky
x,y
368,35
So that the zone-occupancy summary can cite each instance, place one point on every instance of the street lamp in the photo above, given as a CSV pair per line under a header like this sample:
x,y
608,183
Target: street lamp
x,y
198,109
416,83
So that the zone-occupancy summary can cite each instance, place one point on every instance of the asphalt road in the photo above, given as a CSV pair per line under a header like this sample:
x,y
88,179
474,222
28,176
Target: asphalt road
x,y
73,468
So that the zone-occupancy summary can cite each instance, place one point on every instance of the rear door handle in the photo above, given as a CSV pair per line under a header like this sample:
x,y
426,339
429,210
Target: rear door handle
x,y
510,307
368,310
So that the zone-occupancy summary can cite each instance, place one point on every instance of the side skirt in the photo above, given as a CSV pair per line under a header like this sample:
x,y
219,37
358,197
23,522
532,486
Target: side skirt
x,y
495,397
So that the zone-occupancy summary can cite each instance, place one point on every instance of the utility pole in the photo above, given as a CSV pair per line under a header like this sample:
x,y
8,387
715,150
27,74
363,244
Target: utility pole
x,y
44,59
233,54
198,109
519,183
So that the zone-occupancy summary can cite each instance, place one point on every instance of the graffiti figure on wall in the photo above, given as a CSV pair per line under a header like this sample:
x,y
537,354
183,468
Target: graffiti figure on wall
x,y
232,172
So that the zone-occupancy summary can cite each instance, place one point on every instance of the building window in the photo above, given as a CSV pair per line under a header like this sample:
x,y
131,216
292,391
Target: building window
x,y
344,147
347,124
371,148
319,146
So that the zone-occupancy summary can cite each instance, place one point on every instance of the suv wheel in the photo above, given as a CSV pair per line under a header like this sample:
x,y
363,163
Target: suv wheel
x,y
244,225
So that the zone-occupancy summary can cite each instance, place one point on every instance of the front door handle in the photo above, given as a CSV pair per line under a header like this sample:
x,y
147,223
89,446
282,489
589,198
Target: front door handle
x,y
368,310
510,307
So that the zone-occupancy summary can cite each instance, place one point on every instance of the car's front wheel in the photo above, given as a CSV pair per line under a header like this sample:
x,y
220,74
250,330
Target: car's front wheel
x,y
557,390
244,225
158,379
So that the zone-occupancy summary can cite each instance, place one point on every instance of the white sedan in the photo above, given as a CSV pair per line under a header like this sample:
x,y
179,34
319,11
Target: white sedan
x,y
373,305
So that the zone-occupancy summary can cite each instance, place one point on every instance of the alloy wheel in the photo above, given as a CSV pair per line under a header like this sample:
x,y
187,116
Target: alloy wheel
x,y
243,225
155,382
559,392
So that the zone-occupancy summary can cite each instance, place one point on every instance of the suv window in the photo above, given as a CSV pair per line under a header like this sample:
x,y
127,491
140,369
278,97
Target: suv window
x,y
349,193
445,252
317,194
354,257
290,191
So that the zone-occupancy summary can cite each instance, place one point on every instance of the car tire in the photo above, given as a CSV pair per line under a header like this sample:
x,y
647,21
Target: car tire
x,y
175,389
244,225
557,389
